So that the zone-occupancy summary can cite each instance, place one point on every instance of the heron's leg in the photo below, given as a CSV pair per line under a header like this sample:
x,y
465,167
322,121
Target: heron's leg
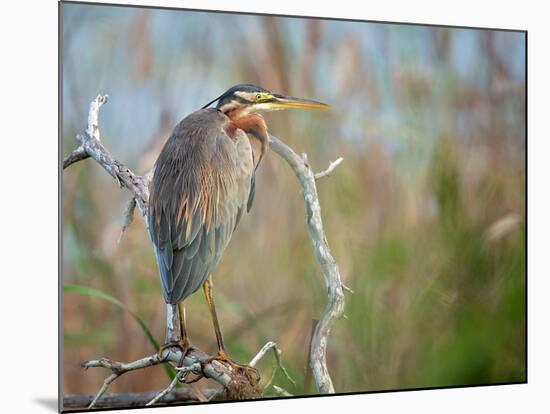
x,y
207,287
175,338
222,354
183,330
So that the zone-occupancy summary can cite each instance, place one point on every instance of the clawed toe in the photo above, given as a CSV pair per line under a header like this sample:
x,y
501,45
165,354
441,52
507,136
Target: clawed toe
x,y
249,371
184,346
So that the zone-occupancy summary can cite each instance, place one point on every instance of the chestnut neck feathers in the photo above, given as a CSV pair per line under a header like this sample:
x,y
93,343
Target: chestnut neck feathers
x,y
256,130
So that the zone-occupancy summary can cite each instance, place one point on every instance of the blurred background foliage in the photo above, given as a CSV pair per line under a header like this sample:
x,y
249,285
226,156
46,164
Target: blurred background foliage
x,y
425,217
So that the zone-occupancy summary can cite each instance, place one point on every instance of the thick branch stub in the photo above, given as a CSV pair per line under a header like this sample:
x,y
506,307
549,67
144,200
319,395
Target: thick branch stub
x,y
78,154
131,206
332,166
93,116
128,217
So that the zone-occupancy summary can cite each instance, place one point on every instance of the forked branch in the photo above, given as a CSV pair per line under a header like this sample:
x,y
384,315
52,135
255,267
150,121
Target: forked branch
x,y
91,146
335,305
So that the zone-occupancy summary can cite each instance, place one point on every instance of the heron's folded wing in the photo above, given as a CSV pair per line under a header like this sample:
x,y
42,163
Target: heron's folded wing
x,y
192,222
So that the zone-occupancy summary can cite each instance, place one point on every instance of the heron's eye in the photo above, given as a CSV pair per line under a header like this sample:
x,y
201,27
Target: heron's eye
x,y
258,97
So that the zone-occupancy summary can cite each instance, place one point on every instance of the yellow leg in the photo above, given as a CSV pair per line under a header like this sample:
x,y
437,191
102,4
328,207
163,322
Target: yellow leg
x,y
222,354
207,287
183,330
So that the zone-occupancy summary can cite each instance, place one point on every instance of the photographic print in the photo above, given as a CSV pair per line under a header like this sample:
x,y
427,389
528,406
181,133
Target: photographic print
x,y
262,206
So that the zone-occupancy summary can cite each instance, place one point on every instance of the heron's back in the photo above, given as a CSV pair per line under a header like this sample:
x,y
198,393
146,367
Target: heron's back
x,y
200,188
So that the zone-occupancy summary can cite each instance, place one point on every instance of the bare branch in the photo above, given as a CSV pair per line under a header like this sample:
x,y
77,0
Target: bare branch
x,y
75,156
329,268
92,130
108,381
128,217
279,365
282,392
130,208
178,377
347,289
91,146
195,361
93,116
330,169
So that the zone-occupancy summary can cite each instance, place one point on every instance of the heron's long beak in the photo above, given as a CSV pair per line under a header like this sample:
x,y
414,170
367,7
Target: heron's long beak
x,y
287,102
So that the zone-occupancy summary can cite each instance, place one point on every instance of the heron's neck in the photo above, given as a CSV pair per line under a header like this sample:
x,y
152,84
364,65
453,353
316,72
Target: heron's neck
x,y
255,128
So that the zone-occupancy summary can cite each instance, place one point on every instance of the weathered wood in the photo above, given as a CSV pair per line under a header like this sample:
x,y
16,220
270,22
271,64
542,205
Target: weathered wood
x,y
91,146
335,305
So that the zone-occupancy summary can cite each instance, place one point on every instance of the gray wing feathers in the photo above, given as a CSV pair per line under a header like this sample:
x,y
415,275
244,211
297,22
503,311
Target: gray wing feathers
x,y
189,245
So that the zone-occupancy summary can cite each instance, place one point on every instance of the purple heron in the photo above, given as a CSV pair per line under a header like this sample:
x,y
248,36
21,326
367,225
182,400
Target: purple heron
x,y
203,182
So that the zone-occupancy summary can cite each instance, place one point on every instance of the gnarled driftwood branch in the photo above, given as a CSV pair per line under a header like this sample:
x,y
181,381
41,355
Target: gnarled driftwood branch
x,y
235,384
329,268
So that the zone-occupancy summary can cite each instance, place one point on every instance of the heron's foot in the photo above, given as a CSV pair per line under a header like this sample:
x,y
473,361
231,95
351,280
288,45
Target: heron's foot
x,y
183,345
250,372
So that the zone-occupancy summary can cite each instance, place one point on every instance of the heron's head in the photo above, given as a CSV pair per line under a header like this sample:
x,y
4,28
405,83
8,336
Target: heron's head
x,y
247,99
